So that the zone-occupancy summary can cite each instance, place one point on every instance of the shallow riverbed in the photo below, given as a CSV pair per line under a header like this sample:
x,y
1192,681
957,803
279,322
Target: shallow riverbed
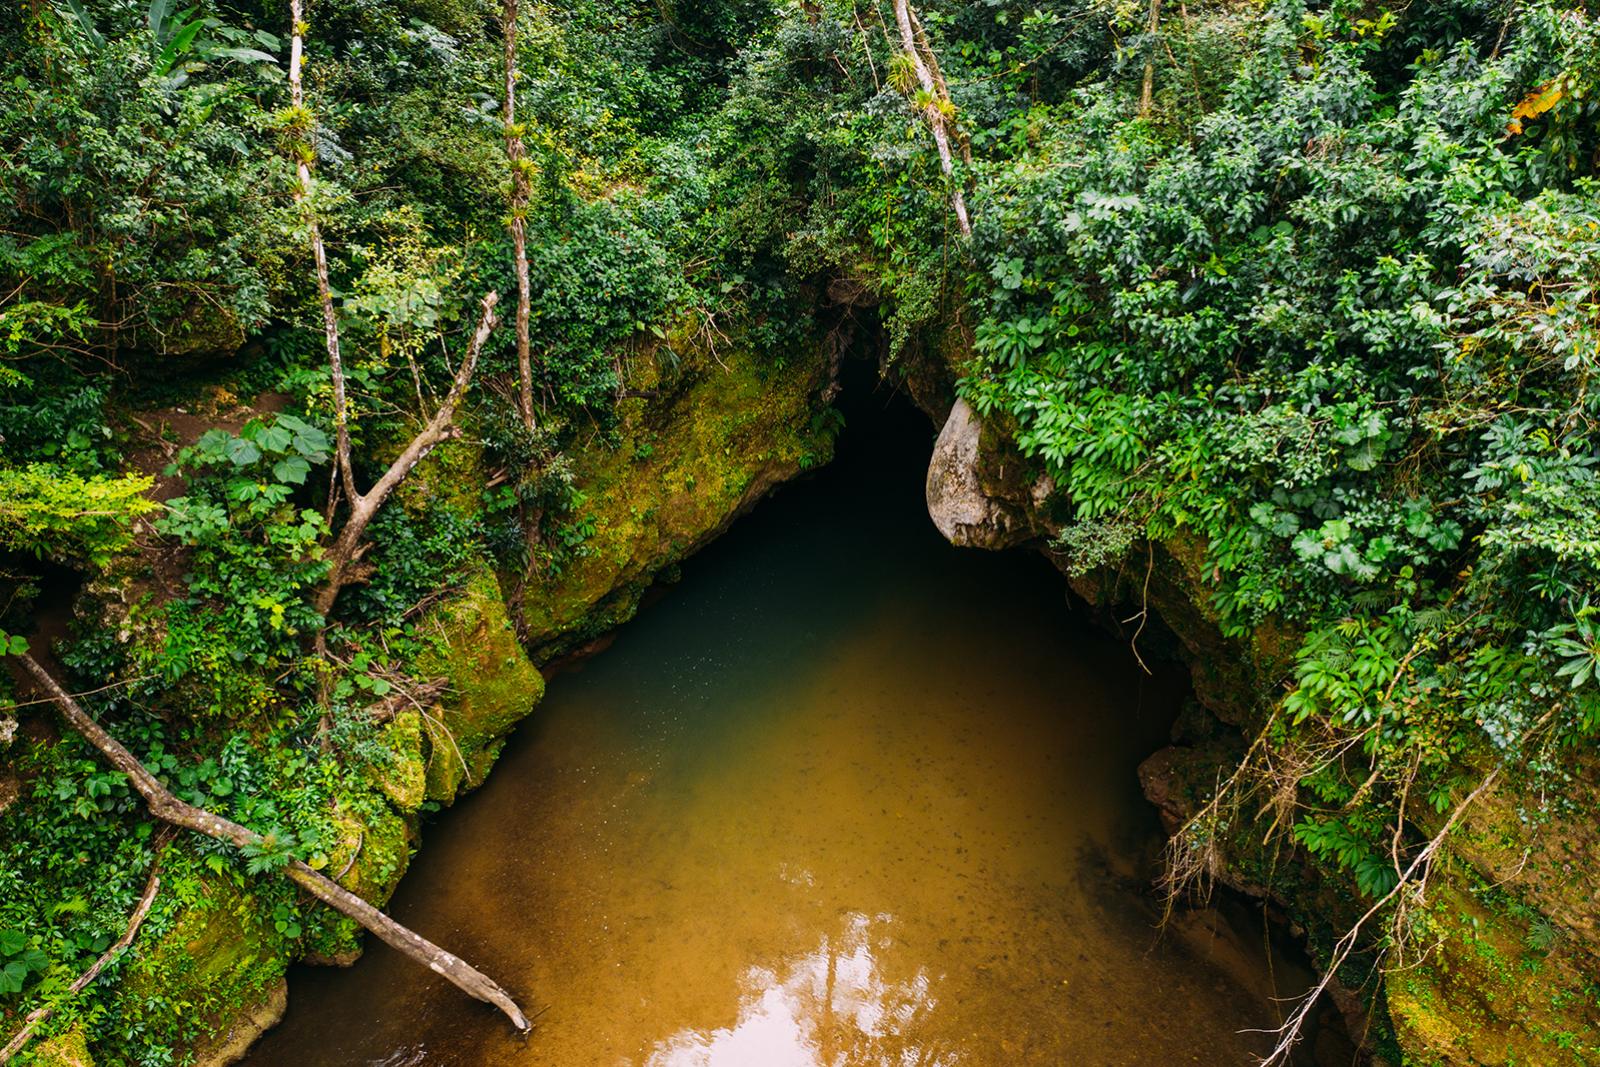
x,y
843,796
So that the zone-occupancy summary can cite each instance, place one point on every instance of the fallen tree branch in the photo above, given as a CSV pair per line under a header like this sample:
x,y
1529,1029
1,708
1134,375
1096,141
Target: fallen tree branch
x,y
39,1016
167,807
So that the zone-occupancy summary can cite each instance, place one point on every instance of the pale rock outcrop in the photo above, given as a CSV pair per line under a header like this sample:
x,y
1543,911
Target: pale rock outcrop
x,y
964,512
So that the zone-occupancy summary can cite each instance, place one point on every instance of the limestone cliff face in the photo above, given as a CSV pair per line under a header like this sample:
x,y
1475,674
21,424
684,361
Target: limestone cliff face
x,y
1513,975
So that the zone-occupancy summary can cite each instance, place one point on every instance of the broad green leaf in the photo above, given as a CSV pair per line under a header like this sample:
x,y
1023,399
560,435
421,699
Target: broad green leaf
x,y
181,42
157,18
273,439
245,55
86,24
292,470
242,453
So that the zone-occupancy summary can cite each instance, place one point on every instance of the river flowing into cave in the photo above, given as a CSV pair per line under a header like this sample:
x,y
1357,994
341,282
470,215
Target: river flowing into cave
x,y
844,795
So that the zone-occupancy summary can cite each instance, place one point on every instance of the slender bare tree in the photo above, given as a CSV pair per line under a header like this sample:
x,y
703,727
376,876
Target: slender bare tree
x,y
937,108
1147,94
345,552
305,155
343,556
517,157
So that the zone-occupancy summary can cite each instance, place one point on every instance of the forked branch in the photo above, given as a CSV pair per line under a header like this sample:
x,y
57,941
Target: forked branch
x,y
364,506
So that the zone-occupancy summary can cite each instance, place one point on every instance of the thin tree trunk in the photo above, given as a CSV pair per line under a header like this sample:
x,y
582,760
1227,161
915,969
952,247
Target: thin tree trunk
x,y
933,112
932,59
515,156
1147,96
364,506
302,197
39,1016
167,807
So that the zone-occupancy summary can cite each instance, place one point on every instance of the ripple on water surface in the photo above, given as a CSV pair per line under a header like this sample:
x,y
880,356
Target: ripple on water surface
x,y
846,796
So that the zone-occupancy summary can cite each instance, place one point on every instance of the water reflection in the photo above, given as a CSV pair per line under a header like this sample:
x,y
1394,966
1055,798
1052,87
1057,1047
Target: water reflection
x,y
831,1007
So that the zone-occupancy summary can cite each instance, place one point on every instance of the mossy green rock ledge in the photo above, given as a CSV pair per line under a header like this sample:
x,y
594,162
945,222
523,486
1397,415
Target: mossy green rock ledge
x,y
490,685
699,443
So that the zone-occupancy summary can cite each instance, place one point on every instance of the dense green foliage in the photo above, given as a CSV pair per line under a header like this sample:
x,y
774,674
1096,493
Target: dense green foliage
x,y
1326,311
1338,325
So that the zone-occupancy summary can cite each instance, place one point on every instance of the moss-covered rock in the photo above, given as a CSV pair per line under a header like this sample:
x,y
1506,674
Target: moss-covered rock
x,y
698,445
490,686
64,1050
1495,988
218,964
1514,976
404,778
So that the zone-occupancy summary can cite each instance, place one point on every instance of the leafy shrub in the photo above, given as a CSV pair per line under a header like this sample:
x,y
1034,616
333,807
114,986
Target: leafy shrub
x,y
18,961
256,552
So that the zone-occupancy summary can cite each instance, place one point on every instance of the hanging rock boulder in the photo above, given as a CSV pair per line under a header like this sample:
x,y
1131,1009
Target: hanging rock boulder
x,y
960,500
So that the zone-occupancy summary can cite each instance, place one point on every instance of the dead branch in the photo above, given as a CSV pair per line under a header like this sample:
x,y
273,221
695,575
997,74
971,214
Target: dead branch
x,y
1192,857
167,807
39,1016
1408,891
1289,1033
934,111
345,550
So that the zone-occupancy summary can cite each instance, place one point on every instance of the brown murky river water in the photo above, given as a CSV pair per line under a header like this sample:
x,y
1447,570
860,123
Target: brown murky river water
x,y
844,796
